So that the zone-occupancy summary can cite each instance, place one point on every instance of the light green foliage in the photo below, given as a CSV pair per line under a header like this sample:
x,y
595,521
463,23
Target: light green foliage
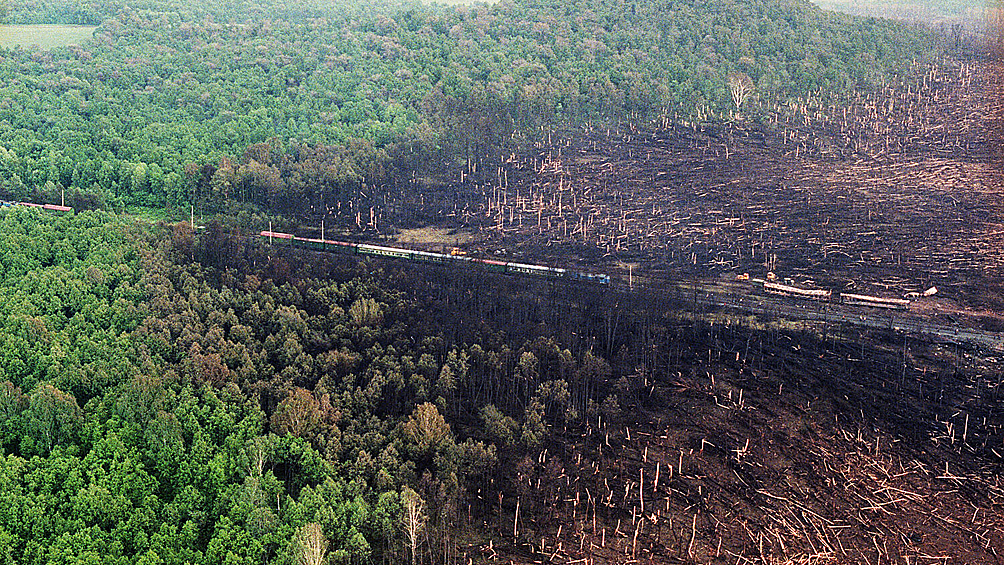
x,y
426,431
54,417
117,453
502,428
365,312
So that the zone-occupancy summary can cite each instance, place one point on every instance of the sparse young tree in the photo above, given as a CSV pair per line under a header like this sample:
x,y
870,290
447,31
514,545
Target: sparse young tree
x,y
257,452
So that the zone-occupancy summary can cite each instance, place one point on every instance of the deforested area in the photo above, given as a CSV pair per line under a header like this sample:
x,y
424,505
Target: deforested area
x,y
891,191
526,282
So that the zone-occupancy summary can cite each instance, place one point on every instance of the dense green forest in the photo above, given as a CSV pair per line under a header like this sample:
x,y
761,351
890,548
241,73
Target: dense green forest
x,y
165,400
302,106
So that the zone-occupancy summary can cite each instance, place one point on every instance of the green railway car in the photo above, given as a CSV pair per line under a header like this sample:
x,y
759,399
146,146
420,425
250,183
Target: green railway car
x,y
340,247
315,244
426,257
386,251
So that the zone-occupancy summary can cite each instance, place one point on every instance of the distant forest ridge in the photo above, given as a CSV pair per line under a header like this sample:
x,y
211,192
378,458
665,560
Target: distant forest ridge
x,y
35,11
258,101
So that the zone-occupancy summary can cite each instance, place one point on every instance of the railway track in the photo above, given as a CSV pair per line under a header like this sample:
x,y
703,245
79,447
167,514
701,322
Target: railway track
x,y
714,295
742,297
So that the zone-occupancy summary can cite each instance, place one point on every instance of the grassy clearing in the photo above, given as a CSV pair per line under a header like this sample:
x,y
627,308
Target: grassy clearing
x,y
934,11
459,2
434,236
158,214
45,36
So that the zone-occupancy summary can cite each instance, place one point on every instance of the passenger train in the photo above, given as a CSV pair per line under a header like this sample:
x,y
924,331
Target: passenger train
x,y
47,207
768,286
429,257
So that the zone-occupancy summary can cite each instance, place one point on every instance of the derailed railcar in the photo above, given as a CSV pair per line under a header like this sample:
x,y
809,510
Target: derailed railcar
x,y
57,209
849,299
788,290
315,244
341,246
874,301
54,208
589,277
429,257
492,265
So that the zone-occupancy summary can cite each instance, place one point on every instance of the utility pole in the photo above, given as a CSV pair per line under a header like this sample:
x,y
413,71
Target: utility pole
x,y
193,217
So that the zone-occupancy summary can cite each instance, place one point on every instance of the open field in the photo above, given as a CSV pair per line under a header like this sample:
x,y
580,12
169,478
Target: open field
x,y
434,237
969,12
45,36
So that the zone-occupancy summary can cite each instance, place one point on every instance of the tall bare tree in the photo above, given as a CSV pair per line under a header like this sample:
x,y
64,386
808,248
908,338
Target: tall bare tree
x,y
312,545
412,519
740,86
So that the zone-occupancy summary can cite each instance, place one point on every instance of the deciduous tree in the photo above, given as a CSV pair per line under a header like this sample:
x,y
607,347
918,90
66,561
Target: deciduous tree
x,y
298,415
54,416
